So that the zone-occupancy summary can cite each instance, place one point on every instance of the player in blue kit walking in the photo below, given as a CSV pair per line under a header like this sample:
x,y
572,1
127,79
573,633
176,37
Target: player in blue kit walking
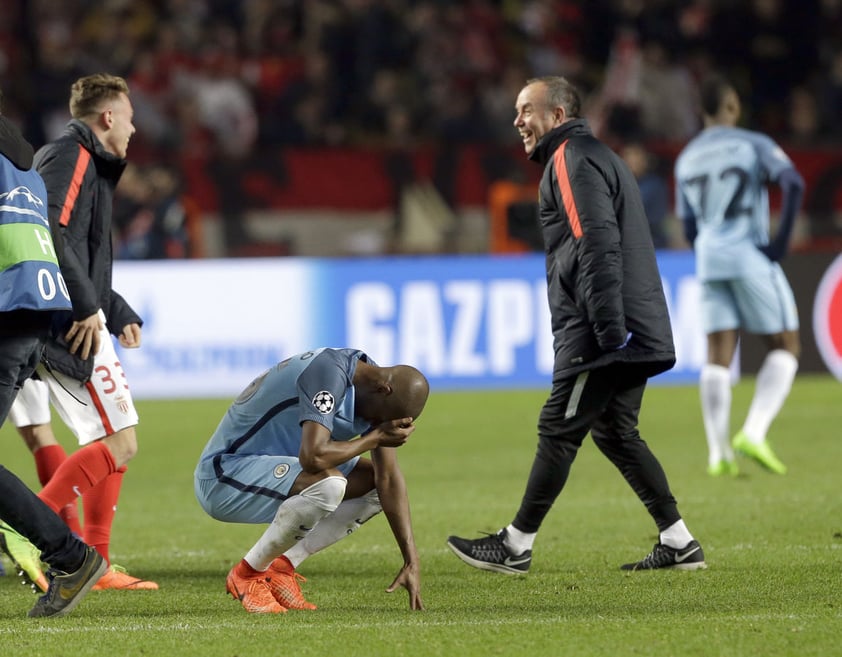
x,y
287,454
721,195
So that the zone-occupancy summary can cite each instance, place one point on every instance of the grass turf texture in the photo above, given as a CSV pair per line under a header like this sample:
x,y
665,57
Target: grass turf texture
x,y
772,544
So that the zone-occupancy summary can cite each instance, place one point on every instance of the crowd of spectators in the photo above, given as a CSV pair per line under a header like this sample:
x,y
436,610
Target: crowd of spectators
x,y
377,72
213,79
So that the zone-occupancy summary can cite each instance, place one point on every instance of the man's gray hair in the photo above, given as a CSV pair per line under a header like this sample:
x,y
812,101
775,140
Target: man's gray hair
x,y
561,93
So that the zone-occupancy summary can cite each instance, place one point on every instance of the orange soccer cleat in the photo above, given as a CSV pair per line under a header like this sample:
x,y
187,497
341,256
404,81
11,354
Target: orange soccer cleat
x,y
252,591
283,582
117,578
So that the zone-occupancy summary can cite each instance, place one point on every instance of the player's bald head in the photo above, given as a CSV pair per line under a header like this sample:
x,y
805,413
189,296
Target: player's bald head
x,y
389,393
410,390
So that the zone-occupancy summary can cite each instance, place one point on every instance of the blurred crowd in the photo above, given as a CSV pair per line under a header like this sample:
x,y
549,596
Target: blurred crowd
x,y
383,71
211,79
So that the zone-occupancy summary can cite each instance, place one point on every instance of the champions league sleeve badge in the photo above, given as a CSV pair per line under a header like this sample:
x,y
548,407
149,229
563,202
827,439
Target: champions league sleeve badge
x,y
323,401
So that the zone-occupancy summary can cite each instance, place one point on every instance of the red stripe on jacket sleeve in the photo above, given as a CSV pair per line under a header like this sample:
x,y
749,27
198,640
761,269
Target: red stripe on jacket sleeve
x,y
566,191
75,185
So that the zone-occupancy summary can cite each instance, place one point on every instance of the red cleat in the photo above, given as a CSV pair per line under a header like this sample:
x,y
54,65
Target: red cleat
x,y
283,582
252,592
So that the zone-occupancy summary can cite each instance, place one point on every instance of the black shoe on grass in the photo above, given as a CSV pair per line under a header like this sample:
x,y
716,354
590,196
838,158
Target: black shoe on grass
x,y
66,590
490,553
690,557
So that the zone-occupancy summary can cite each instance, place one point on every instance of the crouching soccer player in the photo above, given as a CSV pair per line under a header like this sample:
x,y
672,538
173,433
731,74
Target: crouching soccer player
x,y
285,455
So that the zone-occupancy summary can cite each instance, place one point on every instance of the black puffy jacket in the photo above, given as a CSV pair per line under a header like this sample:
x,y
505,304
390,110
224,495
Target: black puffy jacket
x,y
81,176
602,276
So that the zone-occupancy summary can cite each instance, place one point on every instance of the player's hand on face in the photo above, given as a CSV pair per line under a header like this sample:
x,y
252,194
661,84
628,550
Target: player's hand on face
x,y
130,337
409,578
396,432
83,336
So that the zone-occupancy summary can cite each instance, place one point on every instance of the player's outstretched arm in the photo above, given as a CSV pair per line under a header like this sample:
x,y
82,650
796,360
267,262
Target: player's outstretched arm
x,y
409,577
391,489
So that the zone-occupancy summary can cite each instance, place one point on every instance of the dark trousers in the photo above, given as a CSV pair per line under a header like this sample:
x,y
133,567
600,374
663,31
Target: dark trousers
x,y
606,402
19,506
24,511
19,354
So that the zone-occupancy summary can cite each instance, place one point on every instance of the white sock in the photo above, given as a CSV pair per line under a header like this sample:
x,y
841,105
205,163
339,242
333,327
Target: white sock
x,y
715,394
294,515
676,535
774,381
518,541
347,519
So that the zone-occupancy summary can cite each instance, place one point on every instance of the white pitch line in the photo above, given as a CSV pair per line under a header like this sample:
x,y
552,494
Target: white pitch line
x,y
403,623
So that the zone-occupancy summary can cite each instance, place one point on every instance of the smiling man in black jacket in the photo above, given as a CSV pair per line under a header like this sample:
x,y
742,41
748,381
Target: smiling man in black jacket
x,y
610,325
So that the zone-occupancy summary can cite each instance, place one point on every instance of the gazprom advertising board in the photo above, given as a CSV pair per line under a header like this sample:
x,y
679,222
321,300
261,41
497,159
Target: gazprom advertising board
x,y
468,322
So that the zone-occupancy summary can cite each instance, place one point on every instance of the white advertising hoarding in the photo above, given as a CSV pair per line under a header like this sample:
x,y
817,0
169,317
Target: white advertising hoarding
x,y
468,322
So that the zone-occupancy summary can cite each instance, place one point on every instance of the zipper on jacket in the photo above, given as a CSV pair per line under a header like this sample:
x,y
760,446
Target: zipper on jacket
x,y
46,363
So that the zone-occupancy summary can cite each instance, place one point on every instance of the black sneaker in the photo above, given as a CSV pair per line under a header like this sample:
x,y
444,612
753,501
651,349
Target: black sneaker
x,y
690,557
66,590
490,553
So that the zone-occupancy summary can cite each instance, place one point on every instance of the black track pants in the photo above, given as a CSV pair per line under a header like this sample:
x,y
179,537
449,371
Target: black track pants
x,y
606,402
24,511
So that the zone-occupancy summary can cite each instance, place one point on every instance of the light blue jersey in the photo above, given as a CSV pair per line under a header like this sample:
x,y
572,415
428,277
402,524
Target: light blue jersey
x,y
250,463
721,178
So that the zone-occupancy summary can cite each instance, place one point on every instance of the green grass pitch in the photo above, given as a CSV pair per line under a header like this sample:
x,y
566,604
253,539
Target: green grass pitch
x,y
773,546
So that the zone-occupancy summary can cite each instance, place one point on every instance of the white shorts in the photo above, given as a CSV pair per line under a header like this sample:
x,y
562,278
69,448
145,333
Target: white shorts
x,y
762,303
32,405
93,410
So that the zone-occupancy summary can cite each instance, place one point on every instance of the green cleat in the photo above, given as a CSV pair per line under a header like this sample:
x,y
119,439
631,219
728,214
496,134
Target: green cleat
x,y
724,468
24,555
761,453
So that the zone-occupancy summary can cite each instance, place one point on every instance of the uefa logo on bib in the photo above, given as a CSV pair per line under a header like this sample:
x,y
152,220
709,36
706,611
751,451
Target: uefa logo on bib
x,y
827,317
